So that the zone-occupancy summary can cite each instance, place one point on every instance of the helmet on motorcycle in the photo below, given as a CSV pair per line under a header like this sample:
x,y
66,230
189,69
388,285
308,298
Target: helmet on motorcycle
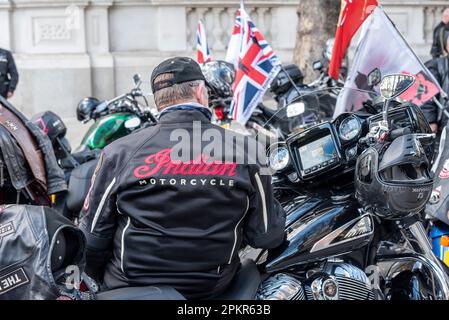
x,y
85,108
394,180
282,82
51,124
220,76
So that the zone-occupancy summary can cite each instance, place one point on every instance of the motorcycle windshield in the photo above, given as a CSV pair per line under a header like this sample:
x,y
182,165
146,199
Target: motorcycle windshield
x,y
308,108
355,99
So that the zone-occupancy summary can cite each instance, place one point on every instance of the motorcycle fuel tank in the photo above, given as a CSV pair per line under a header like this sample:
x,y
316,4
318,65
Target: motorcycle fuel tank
x,y
319,228
106,130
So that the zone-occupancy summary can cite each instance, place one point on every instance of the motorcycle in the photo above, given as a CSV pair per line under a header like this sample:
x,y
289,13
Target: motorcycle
x,y
116,118
335,248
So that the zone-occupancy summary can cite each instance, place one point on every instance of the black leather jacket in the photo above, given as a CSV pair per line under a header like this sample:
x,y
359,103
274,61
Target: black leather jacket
x,y
440,70
176,223
9,76
55,176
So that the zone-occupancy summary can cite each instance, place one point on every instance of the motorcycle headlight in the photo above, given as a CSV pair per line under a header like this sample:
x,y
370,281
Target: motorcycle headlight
x,y
279,158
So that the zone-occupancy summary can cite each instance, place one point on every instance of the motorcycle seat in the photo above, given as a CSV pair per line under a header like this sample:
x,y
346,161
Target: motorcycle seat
x,y
79,185
243,287
245,283
142,293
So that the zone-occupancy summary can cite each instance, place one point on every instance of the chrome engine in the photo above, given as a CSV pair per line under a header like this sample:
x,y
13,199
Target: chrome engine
x,y
334,281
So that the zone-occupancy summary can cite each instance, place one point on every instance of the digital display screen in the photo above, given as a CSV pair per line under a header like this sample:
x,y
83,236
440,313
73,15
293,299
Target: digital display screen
x,y
317,152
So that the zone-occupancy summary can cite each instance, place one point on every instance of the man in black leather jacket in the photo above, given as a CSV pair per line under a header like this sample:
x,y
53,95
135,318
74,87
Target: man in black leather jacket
x,y
159,215
9,76
440,34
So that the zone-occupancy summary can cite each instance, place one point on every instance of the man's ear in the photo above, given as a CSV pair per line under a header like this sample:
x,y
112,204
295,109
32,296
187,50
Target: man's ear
x,y
200,95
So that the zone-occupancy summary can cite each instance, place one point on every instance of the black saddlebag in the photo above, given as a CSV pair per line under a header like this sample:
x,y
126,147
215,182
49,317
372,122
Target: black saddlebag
x,y
39,251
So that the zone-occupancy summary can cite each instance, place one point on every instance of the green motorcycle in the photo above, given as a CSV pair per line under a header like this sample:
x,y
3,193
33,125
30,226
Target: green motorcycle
x,y
114,119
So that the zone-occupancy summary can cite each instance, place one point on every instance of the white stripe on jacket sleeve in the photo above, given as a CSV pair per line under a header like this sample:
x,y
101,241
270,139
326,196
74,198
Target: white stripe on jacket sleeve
x,y
263,199
101,205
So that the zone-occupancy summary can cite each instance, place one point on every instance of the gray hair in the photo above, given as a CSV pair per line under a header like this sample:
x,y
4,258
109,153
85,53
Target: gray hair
x,y
175,94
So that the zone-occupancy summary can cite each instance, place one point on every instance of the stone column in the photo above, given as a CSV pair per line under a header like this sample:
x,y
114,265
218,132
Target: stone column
x,y
97,42
5,24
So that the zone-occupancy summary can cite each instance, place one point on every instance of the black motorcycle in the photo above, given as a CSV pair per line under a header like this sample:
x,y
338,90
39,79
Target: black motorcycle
x,y
286,89
337,249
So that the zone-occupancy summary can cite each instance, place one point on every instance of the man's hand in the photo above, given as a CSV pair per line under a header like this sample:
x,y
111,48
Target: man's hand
x,y
9,95
434,127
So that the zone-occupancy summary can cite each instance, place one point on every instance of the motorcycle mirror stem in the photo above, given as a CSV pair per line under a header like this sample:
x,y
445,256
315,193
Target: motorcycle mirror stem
x,y
393,86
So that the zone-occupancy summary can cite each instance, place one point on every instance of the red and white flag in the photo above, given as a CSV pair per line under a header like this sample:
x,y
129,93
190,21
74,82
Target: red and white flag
x,y
353,13
202,48
382,47
233,52
257,66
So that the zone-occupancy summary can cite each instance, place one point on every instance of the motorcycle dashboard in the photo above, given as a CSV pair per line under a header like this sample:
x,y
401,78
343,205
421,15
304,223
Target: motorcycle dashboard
x,y
315,151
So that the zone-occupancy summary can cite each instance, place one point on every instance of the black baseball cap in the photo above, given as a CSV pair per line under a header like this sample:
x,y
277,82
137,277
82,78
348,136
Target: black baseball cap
x,y
183,69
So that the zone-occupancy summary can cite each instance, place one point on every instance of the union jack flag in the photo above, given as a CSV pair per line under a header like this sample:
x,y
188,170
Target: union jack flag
x,y
202,48
257,66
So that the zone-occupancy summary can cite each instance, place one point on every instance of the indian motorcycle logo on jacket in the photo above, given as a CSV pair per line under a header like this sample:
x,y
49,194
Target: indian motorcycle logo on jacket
x,y
161,169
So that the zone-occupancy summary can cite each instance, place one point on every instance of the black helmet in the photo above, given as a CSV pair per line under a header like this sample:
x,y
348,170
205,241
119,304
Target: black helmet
x,y
394,180
85,108
282,83
51,124
220,76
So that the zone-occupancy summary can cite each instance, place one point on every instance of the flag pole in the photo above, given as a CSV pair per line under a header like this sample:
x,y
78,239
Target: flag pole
x,y
291,80
440,106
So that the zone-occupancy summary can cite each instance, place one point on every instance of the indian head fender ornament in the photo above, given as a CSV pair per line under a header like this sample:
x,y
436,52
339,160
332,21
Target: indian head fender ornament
x,y
162,163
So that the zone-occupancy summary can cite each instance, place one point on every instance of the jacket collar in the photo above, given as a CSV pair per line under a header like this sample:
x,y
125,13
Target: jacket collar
x,y
186,112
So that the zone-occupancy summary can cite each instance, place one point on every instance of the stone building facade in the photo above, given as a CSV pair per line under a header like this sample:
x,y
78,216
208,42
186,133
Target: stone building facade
x,y
70,49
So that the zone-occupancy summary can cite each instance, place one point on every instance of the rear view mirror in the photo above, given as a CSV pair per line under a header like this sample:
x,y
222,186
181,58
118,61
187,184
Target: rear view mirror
x,y
374,78
137,80
317,65
394,85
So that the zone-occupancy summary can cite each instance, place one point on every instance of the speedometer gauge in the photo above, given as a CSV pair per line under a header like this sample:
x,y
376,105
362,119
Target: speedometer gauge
x,y
349,128
279,158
